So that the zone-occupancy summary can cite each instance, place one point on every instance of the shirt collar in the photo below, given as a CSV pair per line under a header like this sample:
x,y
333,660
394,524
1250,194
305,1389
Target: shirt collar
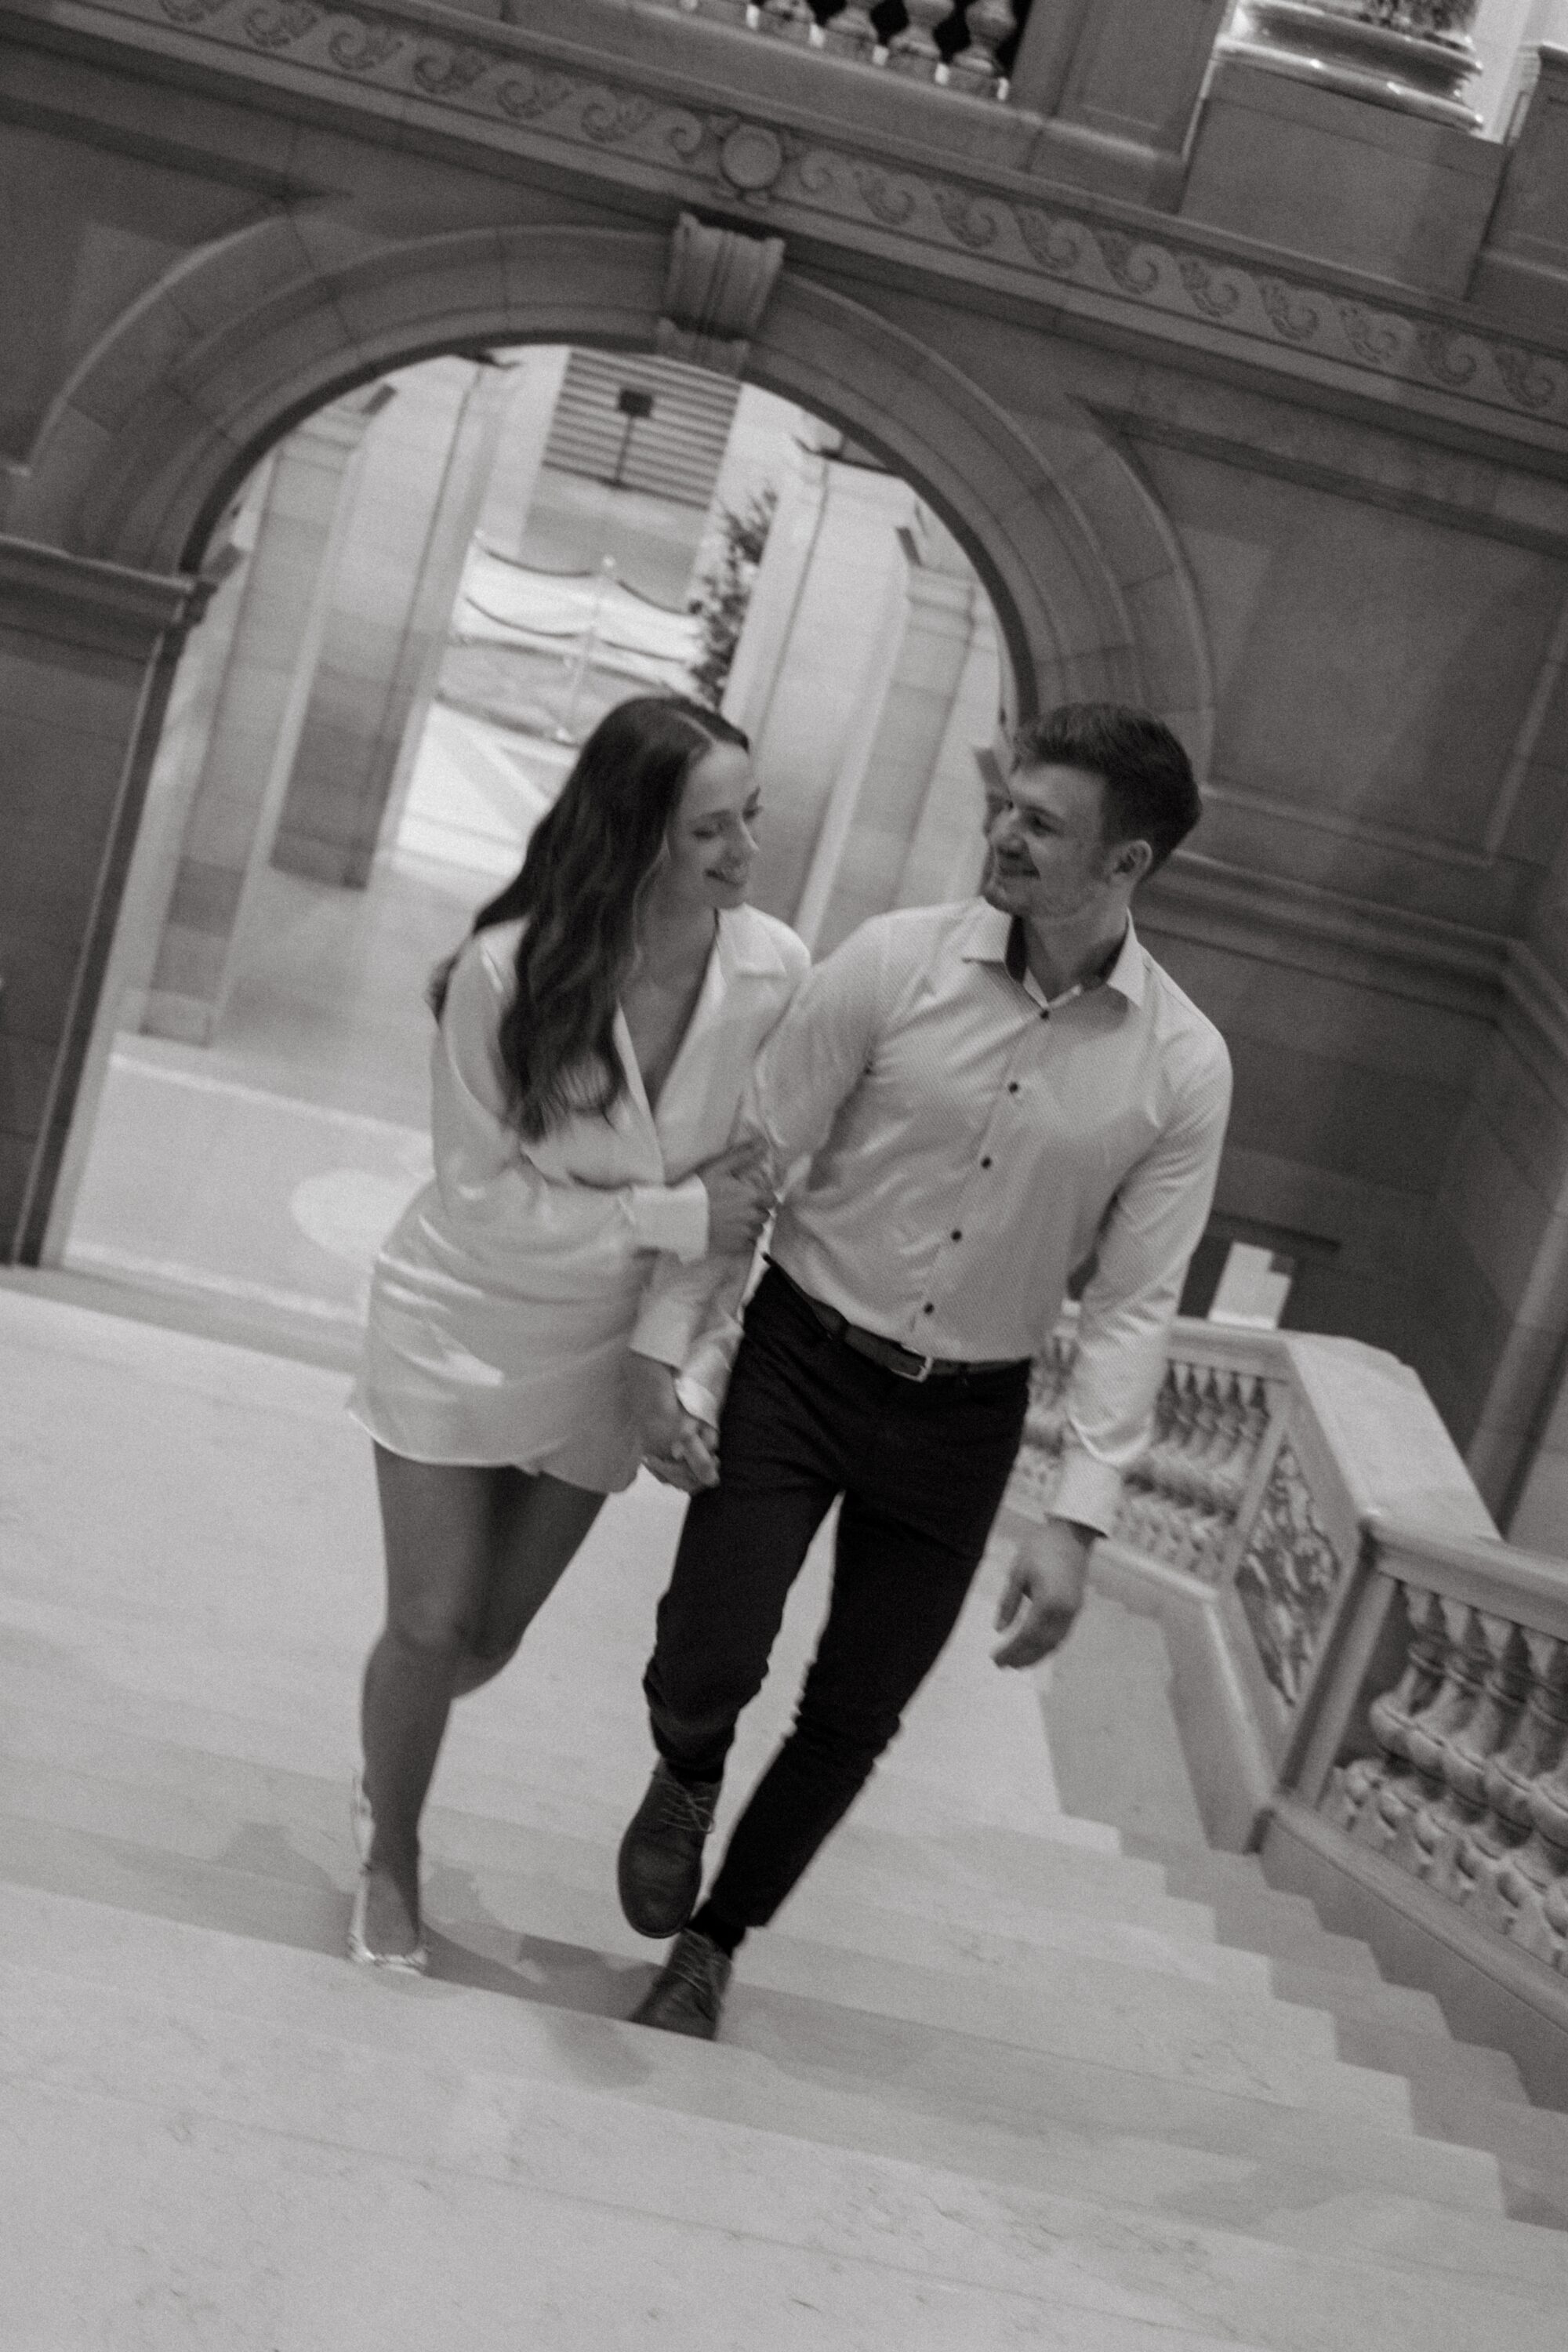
x,y
989,930
746,944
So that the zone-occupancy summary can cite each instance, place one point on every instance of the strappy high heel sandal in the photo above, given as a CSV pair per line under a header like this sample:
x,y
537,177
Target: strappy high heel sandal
x,y
406,1964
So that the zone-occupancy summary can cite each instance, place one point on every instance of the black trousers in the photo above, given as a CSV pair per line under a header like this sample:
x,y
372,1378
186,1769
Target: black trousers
x,y
922,1469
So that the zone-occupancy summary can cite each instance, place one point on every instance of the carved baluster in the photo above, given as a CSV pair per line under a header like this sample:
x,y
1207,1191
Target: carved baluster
x,y
1440,1831
851,32
1535,1748
1142,1519
1199,1489
1531,1881
974,69
1428,1735
1354,1787
793,18
913,51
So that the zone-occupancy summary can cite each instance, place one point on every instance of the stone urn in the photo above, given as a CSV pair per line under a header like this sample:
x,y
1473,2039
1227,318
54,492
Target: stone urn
x,y
1413,55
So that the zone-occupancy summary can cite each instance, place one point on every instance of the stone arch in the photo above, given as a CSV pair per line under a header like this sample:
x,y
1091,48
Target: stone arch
x,y
149,439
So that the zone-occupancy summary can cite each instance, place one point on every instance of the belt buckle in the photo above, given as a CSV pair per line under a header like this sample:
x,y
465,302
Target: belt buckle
x,y
920,1377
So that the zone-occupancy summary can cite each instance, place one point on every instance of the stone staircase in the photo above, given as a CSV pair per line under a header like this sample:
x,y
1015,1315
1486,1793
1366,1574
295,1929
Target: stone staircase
x,y
1023,2063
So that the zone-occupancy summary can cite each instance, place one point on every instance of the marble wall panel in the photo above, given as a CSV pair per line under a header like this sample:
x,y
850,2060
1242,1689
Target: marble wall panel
x,y
99,229
1319,173
1370,666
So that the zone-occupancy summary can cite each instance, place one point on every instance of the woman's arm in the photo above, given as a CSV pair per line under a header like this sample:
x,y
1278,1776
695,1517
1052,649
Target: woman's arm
x,y
484,1168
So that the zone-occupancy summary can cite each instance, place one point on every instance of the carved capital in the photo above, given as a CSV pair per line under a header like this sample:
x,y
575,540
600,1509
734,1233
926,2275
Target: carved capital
x,y
715,293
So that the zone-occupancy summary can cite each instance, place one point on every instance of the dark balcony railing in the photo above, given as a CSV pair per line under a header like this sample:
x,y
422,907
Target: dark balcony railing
x,y
967,44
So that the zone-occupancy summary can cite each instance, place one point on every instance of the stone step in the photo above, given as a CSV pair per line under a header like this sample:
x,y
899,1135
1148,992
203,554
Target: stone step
x,y
226,2234
250,1798
790,2065
1286,2057
586,2140
938,1875
915,2073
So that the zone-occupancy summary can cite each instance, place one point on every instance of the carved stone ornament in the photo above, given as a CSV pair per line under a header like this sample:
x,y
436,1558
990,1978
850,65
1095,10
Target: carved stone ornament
x,y
1288,1579
1413,55
715,293
1059,248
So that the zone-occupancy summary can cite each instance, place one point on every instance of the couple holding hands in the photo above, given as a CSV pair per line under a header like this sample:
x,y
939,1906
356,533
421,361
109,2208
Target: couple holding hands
x,y
962,1105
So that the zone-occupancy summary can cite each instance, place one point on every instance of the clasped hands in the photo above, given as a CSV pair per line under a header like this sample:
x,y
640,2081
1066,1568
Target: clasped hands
x,y
675,1445
679,1448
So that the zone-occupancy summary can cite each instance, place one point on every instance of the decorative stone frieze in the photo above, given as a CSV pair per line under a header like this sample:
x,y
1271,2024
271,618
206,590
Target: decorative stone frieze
x,y
1413,55
715,293
1067,254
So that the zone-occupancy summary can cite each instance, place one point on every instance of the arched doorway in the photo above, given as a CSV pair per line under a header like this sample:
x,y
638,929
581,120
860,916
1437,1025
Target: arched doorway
x,y
217,368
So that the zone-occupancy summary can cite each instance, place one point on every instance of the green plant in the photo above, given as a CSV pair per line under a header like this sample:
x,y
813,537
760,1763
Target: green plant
x,y
724,590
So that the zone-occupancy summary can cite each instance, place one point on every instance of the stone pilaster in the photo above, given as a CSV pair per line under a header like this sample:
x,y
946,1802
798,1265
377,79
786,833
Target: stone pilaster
x,y
886,779
277,629
86,656
825,613
415,504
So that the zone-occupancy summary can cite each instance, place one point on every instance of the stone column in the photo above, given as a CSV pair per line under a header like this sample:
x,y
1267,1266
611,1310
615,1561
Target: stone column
x,y
812,659
277,628
527,414
891,759
1416,55
947,849
86,658
414,507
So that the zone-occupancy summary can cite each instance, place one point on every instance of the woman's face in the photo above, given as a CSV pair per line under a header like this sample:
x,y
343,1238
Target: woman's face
x,y
712,840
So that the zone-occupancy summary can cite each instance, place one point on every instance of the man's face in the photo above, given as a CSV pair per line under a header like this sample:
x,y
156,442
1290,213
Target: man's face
x,y
1049,859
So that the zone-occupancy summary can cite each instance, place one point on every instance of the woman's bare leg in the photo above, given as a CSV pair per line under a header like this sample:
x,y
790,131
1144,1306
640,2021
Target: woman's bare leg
x,y
538,1526
438,1521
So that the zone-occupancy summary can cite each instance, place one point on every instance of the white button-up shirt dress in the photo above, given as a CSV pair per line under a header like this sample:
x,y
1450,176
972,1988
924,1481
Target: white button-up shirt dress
x,y
506,1296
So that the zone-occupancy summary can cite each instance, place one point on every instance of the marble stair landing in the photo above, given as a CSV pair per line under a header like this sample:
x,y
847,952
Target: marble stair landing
x,y
1021,2064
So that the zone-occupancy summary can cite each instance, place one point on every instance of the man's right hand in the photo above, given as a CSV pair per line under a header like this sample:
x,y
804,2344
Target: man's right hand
x,y
740,1196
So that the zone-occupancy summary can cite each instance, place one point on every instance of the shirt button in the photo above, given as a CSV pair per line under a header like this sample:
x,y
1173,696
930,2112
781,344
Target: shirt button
x,y
957,1234
986,1163
928,1308
1012,1086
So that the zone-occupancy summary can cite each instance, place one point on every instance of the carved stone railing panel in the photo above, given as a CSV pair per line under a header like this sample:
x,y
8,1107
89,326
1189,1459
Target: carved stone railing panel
x,y
941,41
1180,1501
1467,1789
1413,55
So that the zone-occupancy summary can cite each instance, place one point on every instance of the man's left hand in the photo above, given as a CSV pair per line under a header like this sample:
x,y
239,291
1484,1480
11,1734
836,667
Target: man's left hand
x,y
1043,1592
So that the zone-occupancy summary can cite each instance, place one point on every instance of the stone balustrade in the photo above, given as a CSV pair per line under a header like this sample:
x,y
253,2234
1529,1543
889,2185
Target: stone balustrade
x,y
941,41
1372,1686
1413,55
1463,1779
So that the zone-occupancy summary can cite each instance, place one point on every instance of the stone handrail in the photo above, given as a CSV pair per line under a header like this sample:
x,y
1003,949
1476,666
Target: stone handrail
x,y
845,29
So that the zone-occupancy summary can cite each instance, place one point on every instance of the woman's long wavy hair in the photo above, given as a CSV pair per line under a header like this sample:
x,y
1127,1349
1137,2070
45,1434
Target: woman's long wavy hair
x,y
579,891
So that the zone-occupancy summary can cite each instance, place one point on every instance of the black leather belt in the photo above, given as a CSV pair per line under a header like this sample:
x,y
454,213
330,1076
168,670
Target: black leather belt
x,y
904,1362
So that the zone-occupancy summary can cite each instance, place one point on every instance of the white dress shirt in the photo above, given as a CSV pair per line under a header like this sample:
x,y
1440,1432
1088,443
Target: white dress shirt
x,y
969,1145
505,1297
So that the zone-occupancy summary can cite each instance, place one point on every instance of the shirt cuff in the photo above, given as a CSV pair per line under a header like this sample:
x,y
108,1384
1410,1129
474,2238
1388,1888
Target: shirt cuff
x,y
1087,1491
698,1400
672,1217
665,1329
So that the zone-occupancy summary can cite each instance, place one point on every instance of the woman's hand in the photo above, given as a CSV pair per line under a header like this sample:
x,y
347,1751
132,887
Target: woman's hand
x,y
678,1448
740,1196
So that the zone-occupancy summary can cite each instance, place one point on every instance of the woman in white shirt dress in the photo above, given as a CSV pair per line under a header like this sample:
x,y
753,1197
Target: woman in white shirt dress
x,y
595,1036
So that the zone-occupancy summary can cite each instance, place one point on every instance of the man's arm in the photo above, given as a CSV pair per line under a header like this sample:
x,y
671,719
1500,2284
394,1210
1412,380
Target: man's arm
x,y
689,1320
1124,1326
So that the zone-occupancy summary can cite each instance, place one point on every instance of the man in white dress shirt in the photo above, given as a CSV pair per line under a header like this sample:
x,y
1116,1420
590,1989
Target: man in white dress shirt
x,y
988,1094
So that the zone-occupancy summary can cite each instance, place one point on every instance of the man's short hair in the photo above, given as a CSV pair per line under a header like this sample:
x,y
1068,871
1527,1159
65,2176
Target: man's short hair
x,y
1151,793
